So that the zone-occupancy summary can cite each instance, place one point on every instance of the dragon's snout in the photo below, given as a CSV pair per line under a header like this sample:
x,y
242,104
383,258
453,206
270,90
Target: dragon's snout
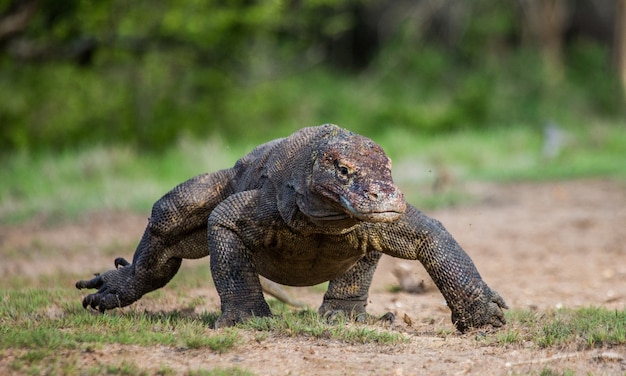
x,y
377,203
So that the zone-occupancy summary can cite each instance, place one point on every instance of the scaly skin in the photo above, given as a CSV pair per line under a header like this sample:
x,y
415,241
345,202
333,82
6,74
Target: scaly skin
x,y
317,206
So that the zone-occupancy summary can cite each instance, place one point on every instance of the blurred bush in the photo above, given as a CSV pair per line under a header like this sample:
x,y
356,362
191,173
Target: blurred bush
x,y
147,72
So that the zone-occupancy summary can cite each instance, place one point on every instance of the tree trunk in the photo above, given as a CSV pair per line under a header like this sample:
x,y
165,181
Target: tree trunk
x,y
544,22
619,42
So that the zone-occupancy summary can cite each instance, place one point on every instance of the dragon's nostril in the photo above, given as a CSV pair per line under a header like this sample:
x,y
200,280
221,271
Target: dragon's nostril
x,y
371,195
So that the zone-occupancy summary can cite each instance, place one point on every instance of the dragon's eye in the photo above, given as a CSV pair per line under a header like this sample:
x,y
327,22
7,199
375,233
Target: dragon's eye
x,y
343,170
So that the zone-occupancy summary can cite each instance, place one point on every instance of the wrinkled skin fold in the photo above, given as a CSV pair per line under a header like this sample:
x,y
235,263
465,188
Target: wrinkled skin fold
x,y
319,205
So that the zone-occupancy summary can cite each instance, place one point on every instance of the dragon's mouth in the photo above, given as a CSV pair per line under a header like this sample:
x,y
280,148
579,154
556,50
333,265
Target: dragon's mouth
x,y
330,206
332,217
372,216
350,218
389,216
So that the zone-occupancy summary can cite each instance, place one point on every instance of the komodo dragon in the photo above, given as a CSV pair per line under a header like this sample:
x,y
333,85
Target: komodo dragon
x,y
319,205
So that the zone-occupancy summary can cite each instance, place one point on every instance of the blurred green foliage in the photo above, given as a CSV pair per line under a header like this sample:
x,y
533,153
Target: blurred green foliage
x,y
145,73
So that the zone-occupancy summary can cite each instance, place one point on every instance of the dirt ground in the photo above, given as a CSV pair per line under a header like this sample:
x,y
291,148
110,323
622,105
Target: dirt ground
x,y
540,245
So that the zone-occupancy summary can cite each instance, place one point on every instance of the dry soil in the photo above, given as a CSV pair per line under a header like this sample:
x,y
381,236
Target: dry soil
x,y
542,246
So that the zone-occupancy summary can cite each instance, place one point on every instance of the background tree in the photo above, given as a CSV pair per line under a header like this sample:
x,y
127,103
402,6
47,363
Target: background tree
x,y
149,72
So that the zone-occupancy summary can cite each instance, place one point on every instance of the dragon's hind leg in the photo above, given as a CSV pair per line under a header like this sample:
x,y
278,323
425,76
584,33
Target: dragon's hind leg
x,y
176,230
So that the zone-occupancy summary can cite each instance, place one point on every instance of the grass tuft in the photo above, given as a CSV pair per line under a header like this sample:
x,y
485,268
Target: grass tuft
x,y
30,321
577,329
218,343
550,372
307,323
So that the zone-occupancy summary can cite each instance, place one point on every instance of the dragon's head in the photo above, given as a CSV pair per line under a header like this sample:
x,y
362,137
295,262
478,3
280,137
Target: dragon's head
x,y
352,175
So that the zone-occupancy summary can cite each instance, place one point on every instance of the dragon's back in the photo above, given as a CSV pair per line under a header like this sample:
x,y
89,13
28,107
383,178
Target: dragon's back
x,y
279,158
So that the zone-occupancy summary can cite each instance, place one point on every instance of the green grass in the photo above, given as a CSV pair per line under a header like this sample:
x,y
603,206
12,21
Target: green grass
x,y
48,324
308,324
51,331
48,320
33,362
512,153
53,319
582,328
549,372
61,186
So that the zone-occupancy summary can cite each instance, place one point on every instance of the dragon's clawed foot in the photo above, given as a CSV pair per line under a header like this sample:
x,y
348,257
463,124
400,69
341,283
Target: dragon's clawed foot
x,y
116,288
336,315
242,306
333,309
484,311
232,315
389,318
495,313
333,316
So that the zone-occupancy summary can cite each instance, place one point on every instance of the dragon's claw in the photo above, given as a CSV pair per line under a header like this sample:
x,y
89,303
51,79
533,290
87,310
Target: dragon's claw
x,y
116,288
